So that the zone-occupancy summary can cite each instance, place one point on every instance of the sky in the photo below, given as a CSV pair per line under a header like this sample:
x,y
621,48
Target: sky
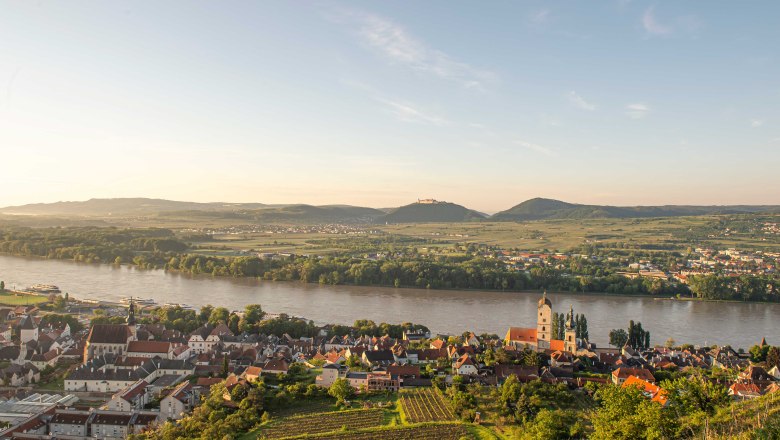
x,y
380,103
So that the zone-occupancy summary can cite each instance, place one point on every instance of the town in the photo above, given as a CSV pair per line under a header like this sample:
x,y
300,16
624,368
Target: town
x,y
140,370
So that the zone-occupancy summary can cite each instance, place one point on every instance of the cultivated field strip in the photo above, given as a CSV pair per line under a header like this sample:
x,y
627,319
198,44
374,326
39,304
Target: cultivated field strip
x,y
439,431
322,423
425,405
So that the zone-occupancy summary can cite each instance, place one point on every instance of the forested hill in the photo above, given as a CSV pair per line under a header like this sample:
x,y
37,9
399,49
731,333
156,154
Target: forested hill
x,y
292,214
120,207
431,212
444,212
542,209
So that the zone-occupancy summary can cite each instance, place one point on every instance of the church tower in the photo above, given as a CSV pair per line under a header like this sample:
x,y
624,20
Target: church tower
x,y
544,322
570,334
130,320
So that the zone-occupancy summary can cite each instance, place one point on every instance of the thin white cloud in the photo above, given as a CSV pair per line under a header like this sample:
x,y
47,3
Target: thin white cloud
x,y
408,113
637,110
651,24
541,16
394,43
548,120
755,123
538,148
579,101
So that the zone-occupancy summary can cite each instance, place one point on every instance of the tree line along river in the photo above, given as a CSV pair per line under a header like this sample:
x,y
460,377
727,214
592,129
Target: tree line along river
x,y
444,311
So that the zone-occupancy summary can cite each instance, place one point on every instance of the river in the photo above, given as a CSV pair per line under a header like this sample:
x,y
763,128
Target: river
x,y
445,311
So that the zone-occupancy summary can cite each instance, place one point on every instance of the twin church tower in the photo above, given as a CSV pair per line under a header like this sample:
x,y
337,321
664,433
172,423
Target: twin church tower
x,y
541,338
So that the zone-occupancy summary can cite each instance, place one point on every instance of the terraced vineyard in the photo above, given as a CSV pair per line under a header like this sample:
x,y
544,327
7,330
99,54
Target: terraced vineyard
x,y
439,431
322,423
425,405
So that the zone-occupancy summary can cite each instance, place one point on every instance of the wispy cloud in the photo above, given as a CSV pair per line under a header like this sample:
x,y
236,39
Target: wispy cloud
x,y
541,16
652,25
755,123
396,44
409,113
548,120
579,101
538,148
637,110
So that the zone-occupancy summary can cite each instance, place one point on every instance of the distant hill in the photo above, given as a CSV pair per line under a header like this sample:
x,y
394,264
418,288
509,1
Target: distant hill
x,y
430,213
121,207
424,211
255,212
299,214
541,209
318,214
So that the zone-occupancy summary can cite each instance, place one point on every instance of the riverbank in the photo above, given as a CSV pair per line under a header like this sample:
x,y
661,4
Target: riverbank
x,y
411,274
703,300
442,311
385,286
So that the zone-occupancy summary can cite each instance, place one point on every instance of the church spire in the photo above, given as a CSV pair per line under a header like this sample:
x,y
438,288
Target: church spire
x,y
570,324
131,313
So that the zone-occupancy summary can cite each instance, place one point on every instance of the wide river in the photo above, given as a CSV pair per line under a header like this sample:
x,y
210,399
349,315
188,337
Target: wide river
x,y
444,311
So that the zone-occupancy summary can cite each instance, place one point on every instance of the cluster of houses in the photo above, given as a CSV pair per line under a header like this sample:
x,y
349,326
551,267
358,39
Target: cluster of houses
x,y
133,365
27,347
387,364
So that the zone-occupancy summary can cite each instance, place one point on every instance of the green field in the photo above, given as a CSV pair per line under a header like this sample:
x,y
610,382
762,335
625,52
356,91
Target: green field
x,y
677,233
21,299
416,414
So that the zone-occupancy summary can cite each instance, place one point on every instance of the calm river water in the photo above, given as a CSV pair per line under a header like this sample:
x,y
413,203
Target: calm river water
x,y
739,324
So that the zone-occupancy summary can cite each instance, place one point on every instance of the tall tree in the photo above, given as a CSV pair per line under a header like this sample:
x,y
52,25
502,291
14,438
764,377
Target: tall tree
x,y
618,337
773,357
584,328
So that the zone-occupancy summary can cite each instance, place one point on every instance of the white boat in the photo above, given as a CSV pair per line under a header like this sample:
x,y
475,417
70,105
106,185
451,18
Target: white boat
x,y
183,306
140,301
43,289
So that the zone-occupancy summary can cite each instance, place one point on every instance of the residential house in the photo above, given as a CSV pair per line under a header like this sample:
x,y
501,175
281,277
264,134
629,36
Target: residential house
x,y
177,402
28,329
621,374
744,391
69,422
651,391
150,349
465,366
132,397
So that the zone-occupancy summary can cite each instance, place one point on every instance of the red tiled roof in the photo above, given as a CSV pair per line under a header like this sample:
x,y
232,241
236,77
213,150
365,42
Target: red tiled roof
x,y
134,390
521,335
656,393
109,334
208,381
148,347
744,389
641,373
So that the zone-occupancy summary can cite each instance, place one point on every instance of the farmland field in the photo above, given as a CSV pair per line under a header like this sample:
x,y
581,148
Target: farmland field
x,y
319,423
439,431
21,299
425,405
662,234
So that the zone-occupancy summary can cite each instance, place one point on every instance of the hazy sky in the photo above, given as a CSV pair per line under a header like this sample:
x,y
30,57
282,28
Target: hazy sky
x,y
484,104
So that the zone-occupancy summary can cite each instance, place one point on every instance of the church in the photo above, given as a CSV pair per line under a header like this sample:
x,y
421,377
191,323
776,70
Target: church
x,y
540,338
